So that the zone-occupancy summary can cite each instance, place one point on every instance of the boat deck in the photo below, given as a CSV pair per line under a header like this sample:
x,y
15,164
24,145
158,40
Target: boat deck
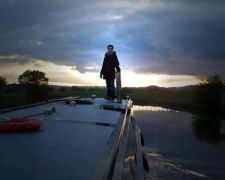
x,y
70,144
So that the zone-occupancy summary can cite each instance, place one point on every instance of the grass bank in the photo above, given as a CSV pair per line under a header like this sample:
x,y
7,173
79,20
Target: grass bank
x,y
175,98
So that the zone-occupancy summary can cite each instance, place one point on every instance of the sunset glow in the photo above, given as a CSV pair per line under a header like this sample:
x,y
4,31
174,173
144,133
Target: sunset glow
x,y
66,75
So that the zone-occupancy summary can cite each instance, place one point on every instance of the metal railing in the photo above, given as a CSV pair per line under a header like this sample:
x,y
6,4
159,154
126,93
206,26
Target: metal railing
x,y
110,172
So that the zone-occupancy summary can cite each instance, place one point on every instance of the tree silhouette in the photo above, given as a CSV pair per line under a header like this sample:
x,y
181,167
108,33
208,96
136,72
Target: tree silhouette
x,y
36,84
2,81
209,93
33,78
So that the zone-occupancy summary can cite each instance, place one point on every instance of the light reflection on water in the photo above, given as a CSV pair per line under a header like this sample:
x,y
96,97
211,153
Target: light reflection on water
x,y
149,108
164,168
182,145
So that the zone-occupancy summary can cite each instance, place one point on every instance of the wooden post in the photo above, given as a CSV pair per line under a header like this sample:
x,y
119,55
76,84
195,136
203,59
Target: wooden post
x,y
118,87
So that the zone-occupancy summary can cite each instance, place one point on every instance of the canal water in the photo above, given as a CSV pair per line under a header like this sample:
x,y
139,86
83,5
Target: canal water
x,y
181,145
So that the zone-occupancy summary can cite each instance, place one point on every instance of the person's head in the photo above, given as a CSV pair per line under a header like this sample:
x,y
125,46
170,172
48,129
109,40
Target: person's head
x,y
110,48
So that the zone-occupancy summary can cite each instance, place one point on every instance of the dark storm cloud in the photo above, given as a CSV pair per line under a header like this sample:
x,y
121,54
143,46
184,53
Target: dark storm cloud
x,y
7,60
173,37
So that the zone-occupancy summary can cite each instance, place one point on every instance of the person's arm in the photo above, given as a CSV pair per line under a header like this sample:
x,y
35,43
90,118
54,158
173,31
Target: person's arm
x,y
103,67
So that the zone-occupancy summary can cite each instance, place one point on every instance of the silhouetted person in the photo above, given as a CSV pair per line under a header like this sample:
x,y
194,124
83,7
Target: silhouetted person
x,y
110,64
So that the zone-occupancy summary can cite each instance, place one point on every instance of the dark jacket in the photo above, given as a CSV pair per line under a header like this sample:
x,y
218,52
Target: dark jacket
x,y
109,65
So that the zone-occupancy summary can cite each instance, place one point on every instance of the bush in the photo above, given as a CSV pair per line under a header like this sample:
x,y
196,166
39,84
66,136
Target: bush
x,y
37,93
36,85
209,93
3,81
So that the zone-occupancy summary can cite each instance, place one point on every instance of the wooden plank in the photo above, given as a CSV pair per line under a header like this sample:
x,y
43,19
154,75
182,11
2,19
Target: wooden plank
x,y
139,157
118,86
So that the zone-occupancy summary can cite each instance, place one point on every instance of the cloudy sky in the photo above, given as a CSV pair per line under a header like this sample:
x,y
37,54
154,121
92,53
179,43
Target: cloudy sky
x,y
158,42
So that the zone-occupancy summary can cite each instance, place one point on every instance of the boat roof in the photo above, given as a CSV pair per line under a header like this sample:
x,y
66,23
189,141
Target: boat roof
x,y
72,142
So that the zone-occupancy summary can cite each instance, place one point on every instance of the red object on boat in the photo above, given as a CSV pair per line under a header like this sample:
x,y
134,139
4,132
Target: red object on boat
x,y
20,125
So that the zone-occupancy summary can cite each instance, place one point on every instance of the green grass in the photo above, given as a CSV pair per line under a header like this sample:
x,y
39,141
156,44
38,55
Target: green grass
x,y
170,98
163,97
12,99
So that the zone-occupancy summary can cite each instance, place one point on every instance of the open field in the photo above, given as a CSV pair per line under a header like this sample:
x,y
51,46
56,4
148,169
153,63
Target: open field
x,y
183,98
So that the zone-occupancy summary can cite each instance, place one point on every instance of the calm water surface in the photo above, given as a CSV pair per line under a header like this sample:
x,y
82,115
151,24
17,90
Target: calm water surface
x,y
182,145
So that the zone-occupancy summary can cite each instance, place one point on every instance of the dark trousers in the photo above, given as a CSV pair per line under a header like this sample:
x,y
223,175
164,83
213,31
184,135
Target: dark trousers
x,y
110,88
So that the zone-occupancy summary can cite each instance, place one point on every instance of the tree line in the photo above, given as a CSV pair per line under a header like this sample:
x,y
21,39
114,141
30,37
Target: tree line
x,y
208,93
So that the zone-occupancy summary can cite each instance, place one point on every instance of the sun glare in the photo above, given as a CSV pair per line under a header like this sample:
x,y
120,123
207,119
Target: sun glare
x,y
133,79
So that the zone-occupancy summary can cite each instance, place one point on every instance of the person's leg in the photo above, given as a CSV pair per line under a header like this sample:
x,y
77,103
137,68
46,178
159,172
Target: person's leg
x,y
108,87
112,89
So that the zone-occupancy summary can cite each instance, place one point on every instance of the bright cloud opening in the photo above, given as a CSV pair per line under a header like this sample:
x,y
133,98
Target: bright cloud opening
x,y
66,75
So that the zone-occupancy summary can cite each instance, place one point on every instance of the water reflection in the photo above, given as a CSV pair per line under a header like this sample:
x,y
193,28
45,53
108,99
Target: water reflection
x,y
182,145
208,127
164,168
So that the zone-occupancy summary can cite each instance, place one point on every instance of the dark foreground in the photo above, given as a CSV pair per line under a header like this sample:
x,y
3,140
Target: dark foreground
x,y
79,139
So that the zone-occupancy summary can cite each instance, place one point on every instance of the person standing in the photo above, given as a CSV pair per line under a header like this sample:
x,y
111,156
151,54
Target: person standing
x,y
109,67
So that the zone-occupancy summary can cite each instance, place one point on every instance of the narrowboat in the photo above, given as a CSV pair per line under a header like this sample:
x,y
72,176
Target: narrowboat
x,y
77,138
